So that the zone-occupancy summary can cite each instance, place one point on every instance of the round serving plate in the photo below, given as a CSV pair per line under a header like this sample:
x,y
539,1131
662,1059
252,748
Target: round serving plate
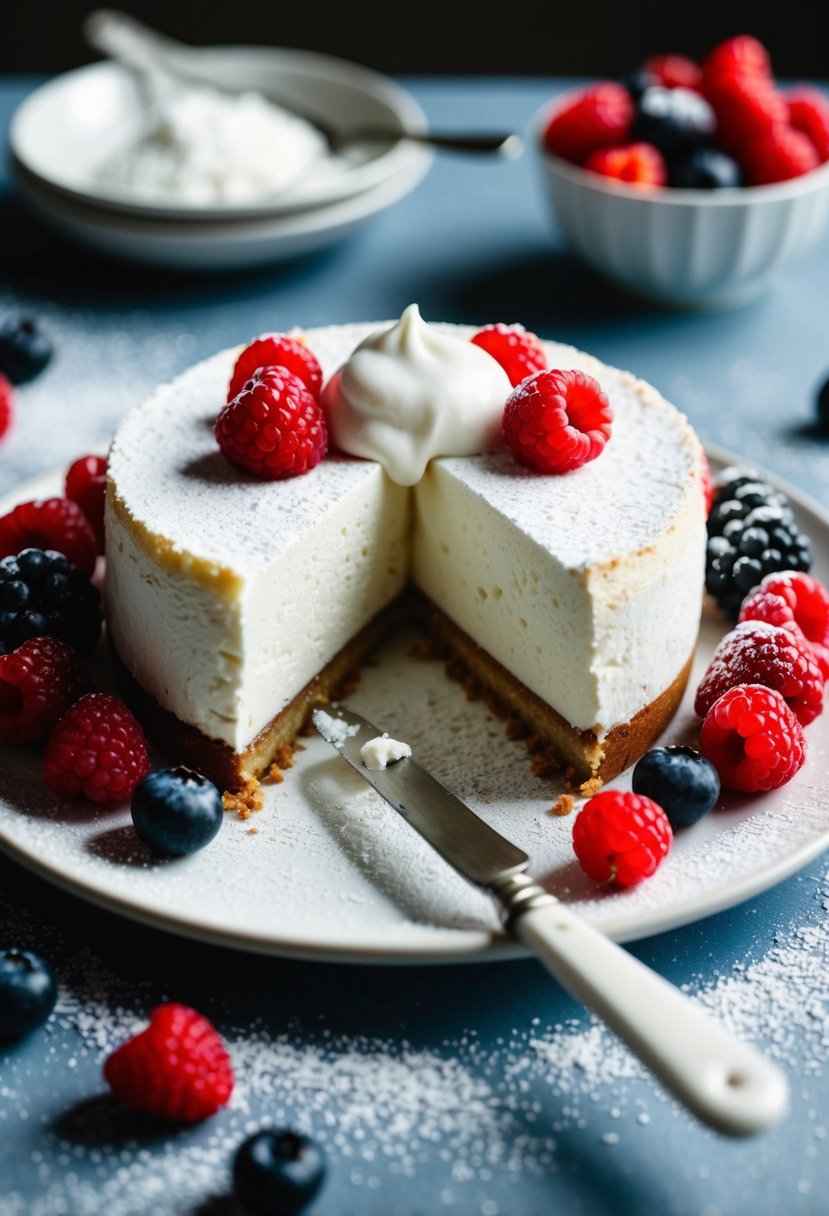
x,y
68,127
328,871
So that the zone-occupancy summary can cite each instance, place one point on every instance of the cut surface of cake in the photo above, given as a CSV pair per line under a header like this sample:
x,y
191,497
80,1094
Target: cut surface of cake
x,y
234,604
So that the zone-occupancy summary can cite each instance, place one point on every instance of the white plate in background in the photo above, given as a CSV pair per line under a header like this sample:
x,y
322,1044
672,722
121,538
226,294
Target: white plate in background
x,y
67,127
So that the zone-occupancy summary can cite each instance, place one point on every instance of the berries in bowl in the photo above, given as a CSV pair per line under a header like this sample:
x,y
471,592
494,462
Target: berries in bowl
x,y
690,184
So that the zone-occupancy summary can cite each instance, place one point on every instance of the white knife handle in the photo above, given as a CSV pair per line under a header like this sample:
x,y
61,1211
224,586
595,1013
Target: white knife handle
x,y
724,1082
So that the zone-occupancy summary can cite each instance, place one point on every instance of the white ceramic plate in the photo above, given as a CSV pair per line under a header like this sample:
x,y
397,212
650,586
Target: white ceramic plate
x,y
216,245
64,130
328,871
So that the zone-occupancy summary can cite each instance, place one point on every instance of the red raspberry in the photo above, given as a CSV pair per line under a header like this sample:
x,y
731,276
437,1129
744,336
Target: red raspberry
x,y
6,404
749,111
740,56
86,484
674,71
793,600
277,350
809,113
37,683
519,352
598,117
707,484
621,837
274,428
50,523
96,749
639,164
783,154
757,653
753,739
557,420
178,1068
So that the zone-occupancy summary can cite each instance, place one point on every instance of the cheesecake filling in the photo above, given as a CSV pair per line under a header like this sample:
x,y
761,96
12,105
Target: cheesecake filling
x,y
227,595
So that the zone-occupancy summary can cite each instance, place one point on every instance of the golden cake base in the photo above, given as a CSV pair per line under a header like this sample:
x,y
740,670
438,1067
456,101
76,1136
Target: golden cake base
x,y
579,751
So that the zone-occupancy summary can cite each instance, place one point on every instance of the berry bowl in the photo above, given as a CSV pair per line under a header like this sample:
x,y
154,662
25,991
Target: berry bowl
x,y
690,183
699,249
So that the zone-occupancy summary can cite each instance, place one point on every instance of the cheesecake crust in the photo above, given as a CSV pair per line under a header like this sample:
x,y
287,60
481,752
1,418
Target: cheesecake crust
x,y
579,751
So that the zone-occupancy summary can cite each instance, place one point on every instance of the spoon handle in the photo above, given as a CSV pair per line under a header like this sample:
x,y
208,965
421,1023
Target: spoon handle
x,y
128,40
502,143
726,1083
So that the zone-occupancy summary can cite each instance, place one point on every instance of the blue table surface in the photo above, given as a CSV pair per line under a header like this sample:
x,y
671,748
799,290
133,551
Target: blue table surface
x,y
470,1089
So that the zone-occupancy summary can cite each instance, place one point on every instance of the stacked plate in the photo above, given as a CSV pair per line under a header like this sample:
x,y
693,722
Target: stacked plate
x,y
64,132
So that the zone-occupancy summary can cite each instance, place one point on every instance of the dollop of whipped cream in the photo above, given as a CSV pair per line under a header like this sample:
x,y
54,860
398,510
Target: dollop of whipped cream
x,y
413,392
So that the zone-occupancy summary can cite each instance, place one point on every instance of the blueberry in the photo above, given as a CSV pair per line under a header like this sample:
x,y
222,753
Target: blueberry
x,y
24,349
682,781
704,169
27,992
674,120
176,811
277,1173
823,407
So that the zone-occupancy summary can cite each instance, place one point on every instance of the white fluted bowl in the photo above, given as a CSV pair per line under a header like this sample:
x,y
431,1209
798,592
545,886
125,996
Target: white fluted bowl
x,y
690,248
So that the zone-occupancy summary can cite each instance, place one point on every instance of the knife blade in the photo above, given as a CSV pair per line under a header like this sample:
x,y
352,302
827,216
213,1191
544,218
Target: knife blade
x,y
724,1082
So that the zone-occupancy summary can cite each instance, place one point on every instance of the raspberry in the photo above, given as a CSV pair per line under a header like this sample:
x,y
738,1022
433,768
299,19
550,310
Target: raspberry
x,y
86,483
794,600
753,739
809,113
758,653
620,837
96,749
50,523
639,164
784,153
557,420
519,352
37,683
178,1068
597,117
742,56
274,428
42,595
749,111
674,71
6,404
707,483
277,350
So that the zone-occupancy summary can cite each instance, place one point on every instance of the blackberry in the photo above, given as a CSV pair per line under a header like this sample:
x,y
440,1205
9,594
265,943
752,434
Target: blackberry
x,y
42,595
673,120
752,532
636,82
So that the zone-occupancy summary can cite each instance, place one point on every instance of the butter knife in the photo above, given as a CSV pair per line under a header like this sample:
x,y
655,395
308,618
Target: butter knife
x,y
724,1082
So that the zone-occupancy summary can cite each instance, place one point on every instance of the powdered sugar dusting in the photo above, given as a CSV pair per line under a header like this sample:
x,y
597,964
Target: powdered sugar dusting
x,y
168,471
386,1111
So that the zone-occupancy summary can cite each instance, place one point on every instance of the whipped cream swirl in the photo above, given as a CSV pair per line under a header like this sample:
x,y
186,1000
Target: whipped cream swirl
x,y
413,392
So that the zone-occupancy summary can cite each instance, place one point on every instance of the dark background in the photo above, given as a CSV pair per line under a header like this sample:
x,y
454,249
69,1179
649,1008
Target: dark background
x,y
565,37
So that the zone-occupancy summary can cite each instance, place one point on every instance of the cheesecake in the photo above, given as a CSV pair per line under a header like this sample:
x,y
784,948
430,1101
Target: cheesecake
x,y
235,604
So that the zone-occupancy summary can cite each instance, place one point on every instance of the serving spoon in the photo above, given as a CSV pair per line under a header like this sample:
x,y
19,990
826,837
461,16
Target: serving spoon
x,y
155,56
